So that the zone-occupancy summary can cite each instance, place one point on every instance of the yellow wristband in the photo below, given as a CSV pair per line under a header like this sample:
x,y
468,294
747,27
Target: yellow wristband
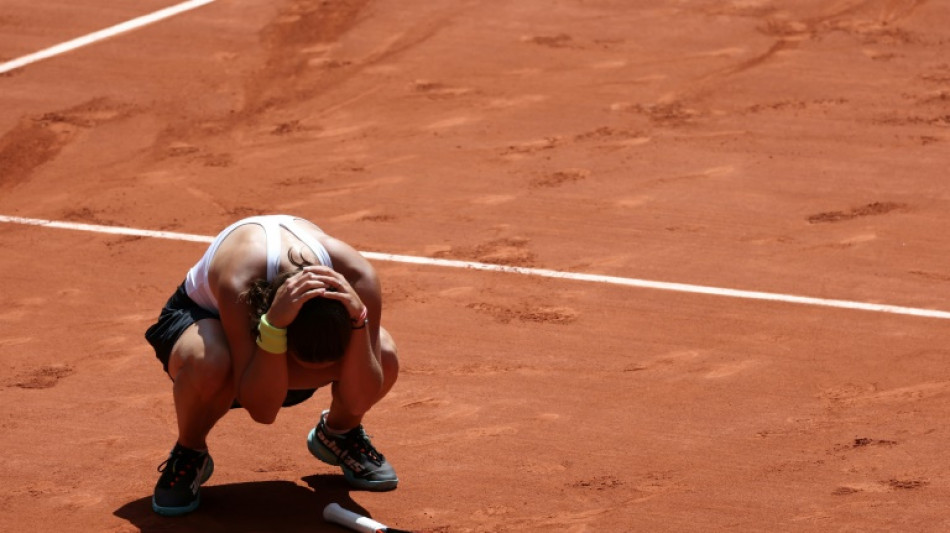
x,y
270,345
270,338
266,327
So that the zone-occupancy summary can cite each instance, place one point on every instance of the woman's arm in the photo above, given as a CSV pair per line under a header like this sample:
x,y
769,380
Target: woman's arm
x,y
260,377
360,377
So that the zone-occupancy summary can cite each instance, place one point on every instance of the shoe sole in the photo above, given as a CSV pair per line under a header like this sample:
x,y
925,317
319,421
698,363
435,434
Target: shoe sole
x,y
176,511
318,450
179,511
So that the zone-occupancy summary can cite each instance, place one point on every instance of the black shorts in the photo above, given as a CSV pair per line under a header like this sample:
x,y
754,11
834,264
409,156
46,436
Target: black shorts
x,y
179,313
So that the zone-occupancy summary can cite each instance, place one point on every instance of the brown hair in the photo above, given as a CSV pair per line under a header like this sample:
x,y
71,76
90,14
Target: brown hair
x,y
320,332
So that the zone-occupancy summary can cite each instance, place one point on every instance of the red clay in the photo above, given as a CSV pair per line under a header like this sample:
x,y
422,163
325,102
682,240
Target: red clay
x,y
785,146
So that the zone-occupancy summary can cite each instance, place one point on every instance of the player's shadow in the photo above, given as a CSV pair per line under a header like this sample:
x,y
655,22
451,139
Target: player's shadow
x,y
254,506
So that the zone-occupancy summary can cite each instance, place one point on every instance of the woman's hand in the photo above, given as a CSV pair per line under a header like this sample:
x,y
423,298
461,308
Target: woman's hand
x,y
291,295
336,287
312,282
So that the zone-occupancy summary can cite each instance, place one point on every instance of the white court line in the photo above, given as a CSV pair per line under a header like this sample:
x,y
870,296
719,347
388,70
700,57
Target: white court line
x,y
594,278
100,35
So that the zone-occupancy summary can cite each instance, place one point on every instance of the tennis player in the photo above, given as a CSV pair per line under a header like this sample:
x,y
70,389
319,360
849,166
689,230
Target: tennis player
x,y
274,310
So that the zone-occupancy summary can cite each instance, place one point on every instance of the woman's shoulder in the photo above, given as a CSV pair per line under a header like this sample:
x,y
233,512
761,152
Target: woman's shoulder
x,y
341,253
347,260
240,258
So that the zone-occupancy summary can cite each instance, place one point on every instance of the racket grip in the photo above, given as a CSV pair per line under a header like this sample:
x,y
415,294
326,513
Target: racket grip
x,y
357,522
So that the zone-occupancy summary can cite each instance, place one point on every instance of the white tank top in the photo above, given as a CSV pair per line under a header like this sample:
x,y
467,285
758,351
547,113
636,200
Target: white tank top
x,y
196,282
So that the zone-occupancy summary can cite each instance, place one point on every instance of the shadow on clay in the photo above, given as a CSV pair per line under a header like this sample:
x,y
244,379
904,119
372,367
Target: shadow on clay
x,y
254,506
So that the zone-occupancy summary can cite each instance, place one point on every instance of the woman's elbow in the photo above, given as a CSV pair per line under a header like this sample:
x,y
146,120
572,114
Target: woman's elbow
x,y
263,416
262,413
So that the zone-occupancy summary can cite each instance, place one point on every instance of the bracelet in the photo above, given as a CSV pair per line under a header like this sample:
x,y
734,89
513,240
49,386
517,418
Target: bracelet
x,y
271,339
361,322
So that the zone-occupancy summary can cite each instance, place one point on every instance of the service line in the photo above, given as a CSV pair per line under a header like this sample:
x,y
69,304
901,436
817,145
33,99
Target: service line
x,y
540,272
100,35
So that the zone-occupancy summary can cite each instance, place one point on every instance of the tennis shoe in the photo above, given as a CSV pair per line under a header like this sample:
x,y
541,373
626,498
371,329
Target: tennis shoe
x,y
178,489
363,466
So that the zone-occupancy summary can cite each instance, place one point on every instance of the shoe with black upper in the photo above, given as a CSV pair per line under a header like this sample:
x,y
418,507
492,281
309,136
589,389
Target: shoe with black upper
x,y
178,489
363,466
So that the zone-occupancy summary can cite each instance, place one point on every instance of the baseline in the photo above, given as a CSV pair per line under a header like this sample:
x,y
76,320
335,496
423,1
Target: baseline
x,y
539,272
100,35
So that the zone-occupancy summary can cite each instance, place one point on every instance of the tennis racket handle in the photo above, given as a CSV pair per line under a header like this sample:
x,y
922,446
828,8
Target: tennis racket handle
x,y
357,522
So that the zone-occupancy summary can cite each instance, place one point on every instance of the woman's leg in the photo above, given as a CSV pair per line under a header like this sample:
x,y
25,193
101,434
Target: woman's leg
x,y
389,360
363,466
200,366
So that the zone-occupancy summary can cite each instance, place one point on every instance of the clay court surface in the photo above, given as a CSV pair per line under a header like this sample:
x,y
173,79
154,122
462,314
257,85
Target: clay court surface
x,y
794,147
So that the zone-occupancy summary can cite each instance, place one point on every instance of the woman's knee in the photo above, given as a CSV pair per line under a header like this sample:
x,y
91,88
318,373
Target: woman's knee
x,y
389,358
202,354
